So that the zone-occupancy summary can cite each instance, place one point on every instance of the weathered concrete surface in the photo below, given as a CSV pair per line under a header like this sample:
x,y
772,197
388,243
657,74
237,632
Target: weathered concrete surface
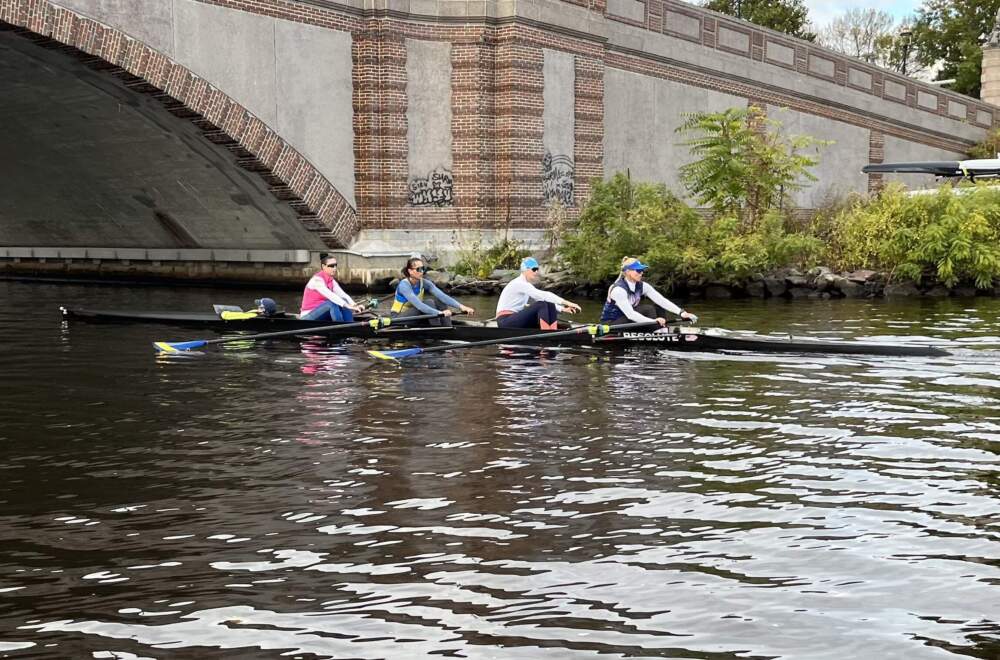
x,y
675,48
428,117
640,116
85,161
150,21
234,50
442,243
559,121
295,77
839,168
315,99
899,150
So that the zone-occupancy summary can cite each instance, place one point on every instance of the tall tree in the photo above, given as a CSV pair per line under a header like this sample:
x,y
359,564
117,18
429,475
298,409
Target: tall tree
x,y
744,166
859,33
874,36
952,32
788,16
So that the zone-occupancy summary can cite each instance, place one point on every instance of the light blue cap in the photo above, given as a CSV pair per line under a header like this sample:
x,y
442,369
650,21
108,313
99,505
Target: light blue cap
x,y
528,263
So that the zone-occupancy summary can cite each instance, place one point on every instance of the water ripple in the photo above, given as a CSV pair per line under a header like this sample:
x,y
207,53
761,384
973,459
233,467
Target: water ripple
x,y
292,498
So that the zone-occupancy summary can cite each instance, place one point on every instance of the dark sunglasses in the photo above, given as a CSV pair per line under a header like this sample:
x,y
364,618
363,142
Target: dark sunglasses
x,y
422,269
535,269
333,265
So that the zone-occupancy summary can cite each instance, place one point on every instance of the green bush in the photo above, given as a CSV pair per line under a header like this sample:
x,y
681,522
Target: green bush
x,y
988,148
475,260
949,236
646,221
619,219
725,250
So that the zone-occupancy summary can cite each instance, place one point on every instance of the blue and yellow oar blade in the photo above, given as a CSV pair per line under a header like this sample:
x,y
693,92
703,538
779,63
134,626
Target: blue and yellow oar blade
x,y
177,346
396,355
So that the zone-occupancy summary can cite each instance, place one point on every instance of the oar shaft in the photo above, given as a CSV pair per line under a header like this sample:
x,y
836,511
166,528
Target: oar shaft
x,y
318,329
174,347
536,335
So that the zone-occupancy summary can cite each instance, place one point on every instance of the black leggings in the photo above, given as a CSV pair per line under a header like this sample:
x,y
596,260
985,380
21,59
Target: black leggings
x,y
538,314
649,310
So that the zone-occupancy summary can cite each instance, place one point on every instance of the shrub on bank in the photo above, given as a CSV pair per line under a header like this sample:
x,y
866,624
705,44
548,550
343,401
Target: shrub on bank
x,y
647,221
477,261
949,236
743,170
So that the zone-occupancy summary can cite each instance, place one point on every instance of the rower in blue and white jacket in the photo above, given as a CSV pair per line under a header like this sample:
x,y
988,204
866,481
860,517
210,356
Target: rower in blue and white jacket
x,y
409,298
622,304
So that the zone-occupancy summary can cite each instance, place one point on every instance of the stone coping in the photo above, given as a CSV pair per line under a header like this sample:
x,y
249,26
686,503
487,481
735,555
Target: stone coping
x,y
159,254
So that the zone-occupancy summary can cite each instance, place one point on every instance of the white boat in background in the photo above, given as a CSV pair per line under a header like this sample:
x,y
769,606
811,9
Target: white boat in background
x,y
979,168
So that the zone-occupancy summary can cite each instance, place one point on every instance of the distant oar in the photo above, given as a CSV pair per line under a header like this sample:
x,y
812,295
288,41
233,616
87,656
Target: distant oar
x,y
178,347
592,329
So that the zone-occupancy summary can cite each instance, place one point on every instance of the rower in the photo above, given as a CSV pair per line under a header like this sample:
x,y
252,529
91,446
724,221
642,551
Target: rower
x,y
324,298
513,310
409,298
624,296
266,307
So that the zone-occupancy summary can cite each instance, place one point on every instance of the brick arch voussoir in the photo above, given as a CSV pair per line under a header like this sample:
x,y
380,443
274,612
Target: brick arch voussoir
x,y
256,147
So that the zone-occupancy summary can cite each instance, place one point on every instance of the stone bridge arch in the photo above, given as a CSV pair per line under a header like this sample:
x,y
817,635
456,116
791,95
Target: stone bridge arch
x,y
256,146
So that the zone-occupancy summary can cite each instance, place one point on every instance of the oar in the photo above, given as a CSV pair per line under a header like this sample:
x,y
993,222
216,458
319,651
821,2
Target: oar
x,y
177,347
592,329
375,302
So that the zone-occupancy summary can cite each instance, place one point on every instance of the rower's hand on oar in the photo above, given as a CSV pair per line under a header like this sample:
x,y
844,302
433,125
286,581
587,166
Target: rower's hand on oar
x,y
446,312
360,308
467,310
688,316
571,308
662,321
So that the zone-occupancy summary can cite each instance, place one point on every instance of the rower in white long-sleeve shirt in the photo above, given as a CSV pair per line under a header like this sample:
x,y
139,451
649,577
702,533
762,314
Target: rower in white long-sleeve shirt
x,y
514,309
626,294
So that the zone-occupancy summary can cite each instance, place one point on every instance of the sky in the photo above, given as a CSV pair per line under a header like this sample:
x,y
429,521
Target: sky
x,y
821,11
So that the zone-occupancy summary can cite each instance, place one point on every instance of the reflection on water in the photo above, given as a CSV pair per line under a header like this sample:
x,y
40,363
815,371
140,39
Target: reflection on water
x,y
294,498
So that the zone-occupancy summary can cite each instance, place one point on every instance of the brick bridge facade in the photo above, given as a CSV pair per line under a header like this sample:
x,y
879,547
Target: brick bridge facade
x,y
384,122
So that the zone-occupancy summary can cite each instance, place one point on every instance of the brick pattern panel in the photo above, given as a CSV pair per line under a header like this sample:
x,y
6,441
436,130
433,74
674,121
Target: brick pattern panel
x,y
380,123
473,104
519,121
876,154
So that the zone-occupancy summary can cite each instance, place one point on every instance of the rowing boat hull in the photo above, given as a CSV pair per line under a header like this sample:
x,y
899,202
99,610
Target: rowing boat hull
x,y
679,338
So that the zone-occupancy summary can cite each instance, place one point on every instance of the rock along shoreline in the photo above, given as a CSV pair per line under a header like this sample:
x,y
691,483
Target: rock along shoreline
x,y
788,283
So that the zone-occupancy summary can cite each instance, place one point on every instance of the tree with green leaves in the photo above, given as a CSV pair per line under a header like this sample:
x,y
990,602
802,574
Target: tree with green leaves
x,y
861,33
788,16
874,36
744,165
952,32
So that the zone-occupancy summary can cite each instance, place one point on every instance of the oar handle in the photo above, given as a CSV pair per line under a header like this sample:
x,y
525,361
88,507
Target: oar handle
x,y
375,302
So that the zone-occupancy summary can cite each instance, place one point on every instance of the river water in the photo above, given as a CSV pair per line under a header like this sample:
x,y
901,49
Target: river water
x,y
296,499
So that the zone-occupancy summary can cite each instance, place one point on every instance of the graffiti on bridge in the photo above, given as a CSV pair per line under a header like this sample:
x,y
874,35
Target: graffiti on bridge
x,y
557,179
434,189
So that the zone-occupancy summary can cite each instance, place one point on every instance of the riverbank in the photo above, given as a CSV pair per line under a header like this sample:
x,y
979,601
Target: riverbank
x,y
789,283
